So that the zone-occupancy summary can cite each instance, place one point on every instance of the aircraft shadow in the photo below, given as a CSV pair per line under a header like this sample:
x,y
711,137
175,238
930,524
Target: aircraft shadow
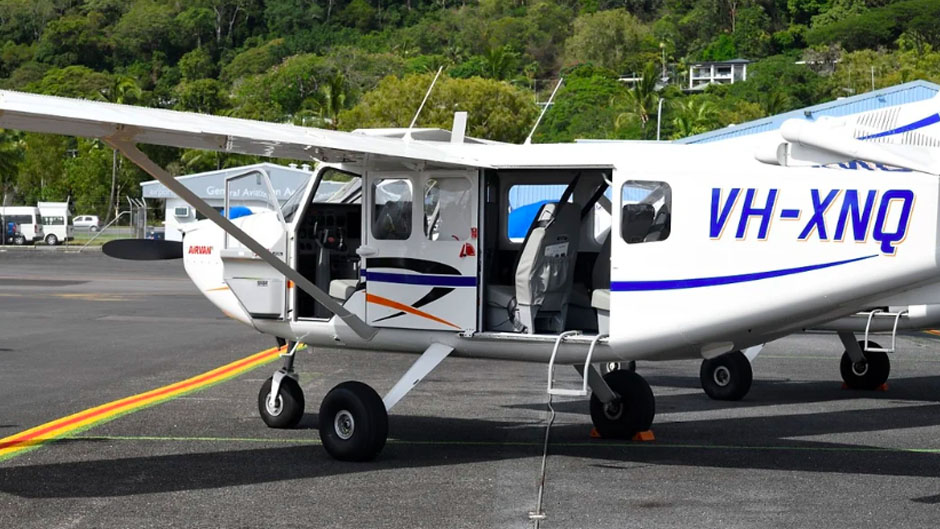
x,y
766,393
770,443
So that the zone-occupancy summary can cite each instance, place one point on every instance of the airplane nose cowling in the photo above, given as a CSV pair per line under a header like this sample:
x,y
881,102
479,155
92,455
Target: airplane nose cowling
x,y
201,258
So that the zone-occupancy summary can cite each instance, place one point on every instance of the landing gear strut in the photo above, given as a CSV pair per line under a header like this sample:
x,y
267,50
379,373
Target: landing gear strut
x,y
628,411
281,400
727,377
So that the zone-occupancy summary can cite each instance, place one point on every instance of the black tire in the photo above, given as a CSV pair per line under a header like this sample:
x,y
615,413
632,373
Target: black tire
x,y
727,377
52,240
871,375
19,240
629,415
93,228
353,422
289,407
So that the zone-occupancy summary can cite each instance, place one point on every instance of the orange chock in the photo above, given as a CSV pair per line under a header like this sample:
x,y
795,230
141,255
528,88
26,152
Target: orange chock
x,y
645,436
642,436
883,387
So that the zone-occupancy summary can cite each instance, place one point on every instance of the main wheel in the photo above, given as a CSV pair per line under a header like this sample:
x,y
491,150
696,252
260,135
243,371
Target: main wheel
x,y
19,240
628,415
871,373
727,377
288,407
52,240
353,422
93,228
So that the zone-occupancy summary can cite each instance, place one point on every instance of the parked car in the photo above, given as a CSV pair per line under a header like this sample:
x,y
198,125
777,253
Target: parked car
x,y
155,234
89,222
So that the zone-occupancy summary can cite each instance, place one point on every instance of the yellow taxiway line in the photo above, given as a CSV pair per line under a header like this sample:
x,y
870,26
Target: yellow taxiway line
x,y
34,437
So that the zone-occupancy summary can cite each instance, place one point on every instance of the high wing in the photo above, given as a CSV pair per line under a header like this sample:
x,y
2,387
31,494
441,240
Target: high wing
x,y
123,127
130,125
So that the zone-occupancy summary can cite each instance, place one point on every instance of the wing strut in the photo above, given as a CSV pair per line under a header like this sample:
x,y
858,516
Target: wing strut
x,y
135,155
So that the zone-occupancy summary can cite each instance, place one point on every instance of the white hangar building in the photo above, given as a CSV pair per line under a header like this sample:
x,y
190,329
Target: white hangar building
x,y
210,186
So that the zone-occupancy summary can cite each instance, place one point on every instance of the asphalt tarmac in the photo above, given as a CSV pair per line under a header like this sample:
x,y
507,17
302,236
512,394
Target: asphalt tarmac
x,y
78,331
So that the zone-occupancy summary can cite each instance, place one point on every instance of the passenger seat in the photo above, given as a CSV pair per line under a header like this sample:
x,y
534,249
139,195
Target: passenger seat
x,y
544,274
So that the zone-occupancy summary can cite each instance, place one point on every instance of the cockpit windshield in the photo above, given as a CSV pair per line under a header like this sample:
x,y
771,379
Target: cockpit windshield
x,y
293,203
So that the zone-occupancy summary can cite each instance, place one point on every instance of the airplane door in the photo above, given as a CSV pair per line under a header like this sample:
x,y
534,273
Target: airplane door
x,y
259,287
420,257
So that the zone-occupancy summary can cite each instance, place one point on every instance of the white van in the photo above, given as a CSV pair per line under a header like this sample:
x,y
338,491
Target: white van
x,y
56,222
28,219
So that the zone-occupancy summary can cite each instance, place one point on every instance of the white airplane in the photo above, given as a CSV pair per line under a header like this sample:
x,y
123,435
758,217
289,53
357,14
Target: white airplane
x,y
712,251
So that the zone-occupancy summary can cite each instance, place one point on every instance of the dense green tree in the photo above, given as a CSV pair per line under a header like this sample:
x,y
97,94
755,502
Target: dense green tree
x,y
254,60
613,39
206,96
75,39
583,109
73,81
146,27
496,111
197,64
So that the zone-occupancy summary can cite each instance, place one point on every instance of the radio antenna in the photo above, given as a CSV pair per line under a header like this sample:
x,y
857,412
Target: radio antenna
x,y
425,100
551,98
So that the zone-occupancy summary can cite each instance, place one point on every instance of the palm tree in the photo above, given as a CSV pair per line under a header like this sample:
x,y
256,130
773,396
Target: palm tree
x,y
641,100
331,99
693,116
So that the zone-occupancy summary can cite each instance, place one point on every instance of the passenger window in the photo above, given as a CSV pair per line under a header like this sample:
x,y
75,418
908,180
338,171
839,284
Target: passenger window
x,y
391,209
524,204
447,212
646,211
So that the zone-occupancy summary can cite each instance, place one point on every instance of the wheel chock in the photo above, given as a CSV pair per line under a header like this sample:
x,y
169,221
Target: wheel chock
x,y
645,436
883,387
641,436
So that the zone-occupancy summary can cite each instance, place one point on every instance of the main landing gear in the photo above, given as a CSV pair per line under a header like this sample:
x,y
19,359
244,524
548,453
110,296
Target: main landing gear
x,y
353,417
623,405
727,377
863,369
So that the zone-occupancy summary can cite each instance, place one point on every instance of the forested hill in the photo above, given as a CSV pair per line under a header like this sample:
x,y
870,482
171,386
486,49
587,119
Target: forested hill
x,y
362,63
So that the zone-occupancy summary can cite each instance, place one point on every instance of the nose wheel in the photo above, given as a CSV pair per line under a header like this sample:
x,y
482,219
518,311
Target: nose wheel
x,y
353,422
869,373
286,408
727,377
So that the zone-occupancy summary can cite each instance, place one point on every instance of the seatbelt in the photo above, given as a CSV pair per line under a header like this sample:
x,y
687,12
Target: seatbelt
x,y
601,189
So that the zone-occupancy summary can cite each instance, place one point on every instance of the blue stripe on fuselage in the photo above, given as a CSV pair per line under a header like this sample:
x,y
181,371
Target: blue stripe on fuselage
x,y
422,279
698,282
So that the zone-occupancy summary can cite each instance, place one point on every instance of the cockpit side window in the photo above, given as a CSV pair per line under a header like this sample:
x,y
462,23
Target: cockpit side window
x,y
646,211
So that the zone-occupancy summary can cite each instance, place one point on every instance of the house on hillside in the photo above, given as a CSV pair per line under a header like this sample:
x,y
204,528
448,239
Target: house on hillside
x,y
702,74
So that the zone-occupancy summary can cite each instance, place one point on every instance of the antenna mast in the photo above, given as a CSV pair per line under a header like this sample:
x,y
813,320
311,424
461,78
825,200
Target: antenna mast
x,y
425,100
548,103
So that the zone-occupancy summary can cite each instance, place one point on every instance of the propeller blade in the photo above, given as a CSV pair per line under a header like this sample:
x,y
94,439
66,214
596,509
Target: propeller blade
x,y
143,249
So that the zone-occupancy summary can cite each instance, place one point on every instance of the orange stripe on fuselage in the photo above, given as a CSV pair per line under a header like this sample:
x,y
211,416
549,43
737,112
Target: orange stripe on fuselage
x,y
385,302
